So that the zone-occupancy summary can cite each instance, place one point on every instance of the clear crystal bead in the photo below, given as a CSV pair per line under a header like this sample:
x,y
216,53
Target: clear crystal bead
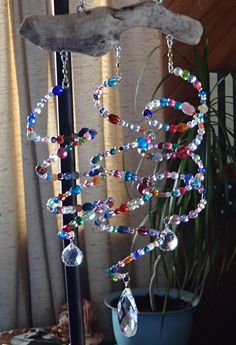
x,y
127,313
72,255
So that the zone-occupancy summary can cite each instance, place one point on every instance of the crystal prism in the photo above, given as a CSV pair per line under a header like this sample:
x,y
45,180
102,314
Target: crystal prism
x,y
72,255
127,313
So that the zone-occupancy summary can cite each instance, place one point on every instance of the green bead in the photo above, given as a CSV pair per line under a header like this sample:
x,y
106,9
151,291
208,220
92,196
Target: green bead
x,y
69,147
185,74
79,220
82,140
175,193
146,197
175,146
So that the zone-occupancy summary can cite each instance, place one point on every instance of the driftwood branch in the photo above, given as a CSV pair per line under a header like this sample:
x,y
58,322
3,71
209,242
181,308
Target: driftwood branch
x,y
97,31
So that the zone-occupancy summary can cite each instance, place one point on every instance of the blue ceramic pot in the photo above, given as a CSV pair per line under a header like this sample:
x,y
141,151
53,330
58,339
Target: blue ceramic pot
x,y
154,329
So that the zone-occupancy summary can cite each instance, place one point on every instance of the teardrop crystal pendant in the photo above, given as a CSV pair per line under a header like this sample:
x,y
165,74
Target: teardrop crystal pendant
x,y
72,255
127,313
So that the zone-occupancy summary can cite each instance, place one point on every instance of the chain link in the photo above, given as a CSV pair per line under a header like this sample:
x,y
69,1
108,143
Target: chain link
x,y
64,60
118,65
81,8
169,40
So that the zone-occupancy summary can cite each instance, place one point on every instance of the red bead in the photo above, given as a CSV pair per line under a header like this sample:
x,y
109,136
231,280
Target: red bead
x,y
117,211
110,203
182,152
62,153
182,190
168,146
172,155
141,187
172,129
62,197
75,143
67,228
115,119
124,208
60,139
143,230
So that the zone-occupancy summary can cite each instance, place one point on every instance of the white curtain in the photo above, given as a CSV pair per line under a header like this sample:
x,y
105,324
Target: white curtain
x,y
31,274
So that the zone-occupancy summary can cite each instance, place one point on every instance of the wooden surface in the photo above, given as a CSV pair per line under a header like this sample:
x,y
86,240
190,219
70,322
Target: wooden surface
x,y
219,23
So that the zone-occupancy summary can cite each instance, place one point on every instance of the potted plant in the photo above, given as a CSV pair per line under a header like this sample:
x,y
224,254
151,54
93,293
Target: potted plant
x,y
191,265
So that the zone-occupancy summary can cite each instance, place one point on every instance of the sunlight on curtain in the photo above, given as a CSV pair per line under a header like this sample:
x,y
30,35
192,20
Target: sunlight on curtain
x,y
31,276
12,209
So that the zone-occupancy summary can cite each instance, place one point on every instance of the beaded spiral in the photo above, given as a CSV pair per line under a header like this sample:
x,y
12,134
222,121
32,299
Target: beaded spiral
x,y
101,211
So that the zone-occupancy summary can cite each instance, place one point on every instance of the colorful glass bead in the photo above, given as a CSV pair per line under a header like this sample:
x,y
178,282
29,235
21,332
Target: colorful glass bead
x,y
115,119
182,152
188,109
40,170
62,152
76,190
147,113
57,90
113,81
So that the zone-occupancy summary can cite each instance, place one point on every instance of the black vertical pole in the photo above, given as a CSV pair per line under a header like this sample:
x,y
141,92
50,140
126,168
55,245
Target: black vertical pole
x,y
66,126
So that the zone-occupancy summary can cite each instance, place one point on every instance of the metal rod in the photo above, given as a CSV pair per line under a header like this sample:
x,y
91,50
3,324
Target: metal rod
x,y
66,126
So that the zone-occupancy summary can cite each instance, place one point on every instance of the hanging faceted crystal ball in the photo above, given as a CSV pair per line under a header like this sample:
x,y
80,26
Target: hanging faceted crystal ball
x,y
170,241
72,255
127,313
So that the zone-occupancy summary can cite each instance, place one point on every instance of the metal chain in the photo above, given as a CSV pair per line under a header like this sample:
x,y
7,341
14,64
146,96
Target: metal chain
x,y
169,40
118,65
81,7
64,60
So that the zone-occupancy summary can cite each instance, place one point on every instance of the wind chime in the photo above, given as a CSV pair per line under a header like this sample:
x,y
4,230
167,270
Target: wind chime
x,y
77,37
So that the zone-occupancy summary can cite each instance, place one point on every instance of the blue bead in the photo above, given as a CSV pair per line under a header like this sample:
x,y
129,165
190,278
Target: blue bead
x,y
146,250
113,151
178,105
67,176
196,183
153,232
61,235
147,113
201,170
101,110
75,190
202,93
57,90
93,133
187,178
142,143
75,175
87,206
113,81
97,222
83,131
128,176
201,117
49,177
164,102
56,200
135,255
31,119
184,218
113,269
123,229
165,127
